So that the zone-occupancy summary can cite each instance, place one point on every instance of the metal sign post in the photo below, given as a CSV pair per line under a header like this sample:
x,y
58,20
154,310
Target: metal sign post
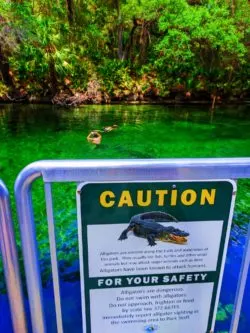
x,y
80,171
10,263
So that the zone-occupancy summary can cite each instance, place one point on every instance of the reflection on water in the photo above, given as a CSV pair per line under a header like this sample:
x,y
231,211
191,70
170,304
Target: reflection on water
x,y
27,118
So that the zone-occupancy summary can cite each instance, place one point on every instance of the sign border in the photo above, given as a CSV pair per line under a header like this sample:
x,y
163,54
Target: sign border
x,y
212,312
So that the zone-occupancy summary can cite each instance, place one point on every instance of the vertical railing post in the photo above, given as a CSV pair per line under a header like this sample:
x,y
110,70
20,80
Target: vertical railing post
x,y
29,248
10,263
240,292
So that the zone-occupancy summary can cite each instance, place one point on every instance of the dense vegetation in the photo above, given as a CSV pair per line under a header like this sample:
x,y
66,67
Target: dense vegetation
x,y
77,51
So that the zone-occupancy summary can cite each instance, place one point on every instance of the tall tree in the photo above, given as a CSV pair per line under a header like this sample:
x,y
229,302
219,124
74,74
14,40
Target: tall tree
x,y
70,11
8,44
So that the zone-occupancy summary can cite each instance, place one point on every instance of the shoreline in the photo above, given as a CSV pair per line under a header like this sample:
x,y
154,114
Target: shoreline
x,y
95,95
160,101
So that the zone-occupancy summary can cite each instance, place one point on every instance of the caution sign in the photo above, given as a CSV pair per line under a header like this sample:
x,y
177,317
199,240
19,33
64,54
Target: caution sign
x,y
152,254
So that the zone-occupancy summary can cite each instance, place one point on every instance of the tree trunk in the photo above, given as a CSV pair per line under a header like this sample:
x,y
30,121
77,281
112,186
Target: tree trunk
x,y
129,46
119,30
144,41
70,11
213,103
120,42
53,77
233,7
5,70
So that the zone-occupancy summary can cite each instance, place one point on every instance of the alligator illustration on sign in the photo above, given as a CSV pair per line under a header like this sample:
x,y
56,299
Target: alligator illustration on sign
x,y
146,225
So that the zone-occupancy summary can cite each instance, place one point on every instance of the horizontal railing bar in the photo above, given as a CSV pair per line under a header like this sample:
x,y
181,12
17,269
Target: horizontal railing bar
x,y
137,169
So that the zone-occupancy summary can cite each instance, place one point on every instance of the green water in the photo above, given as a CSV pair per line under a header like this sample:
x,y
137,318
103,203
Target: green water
x,y
34,132
29,133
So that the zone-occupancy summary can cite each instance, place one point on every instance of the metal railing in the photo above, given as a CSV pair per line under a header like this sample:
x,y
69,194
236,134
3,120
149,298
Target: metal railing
x,y
10,263
103,171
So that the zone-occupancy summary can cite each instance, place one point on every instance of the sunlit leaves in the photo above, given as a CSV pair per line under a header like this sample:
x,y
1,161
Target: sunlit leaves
x,y
203,39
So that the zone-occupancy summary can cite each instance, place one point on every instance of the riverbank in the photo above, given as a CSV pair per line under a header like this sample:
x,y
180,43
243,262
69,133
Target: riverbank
x,y
96,93
84,98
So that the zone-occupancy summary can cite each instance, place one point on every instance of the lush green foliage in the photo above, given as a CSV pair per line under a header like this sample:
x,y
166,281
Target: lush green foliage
x,y
134,46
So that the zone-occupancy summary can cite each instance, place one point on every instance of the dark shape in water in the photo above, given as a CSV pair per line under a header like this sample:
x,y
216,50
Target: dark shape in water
x,y
109,128
94,137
